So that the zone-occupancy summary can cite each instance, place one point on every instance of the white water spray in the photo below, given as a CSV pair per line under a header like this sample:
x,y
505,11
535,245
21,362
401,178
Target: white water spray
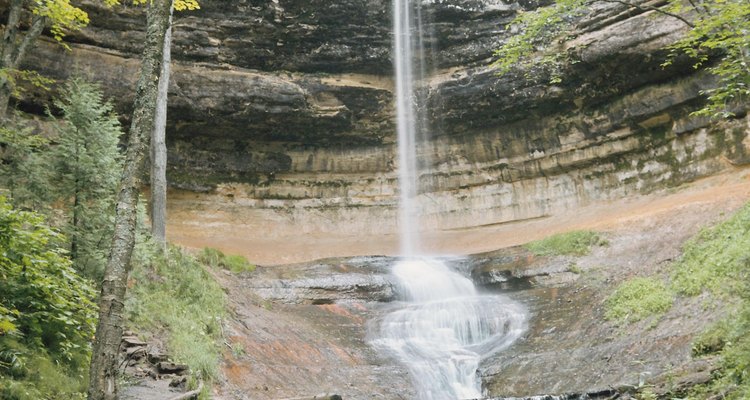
x,y
444,327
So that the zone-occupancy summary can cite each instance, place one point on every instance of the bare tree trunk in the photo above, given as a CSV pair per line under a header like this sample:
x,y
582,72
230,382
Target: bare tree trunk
x,y
6,53
13,51
159,148
103,372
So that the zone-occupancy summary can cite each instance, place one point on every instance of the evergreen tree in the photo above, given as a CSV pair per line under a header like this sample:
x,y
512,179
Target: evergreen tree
x,y
24,167
87,166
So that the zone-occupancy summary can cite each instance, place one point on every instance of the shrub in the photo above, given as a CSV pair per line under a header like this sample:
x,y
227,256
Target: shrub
x,y
41,295
47,311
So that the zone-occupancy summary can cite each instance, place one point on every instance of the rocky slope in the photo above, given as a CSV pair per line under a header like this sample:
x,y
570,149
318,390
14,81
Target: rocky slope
x,y
304,328
282,111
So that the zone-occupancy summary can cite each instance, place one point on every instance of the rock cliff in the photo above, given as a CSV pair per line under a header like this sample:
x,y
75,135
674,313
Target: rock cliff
x,y
283,111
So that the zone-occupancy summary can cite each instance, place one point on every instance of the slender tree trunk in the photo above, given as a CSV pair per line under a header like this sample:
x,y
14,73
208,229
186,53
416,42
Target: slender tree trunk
x,y
103,372
6,53
159,148
13,51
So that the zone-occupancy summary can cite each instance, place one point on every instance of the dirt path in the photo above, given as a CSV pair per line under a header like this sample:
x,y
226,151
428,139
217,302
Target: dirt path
x,y
715,195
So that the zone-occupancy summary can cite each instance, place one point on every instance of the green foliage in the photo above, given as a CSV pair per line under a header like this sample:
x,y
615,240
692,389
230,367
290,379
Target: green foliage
x,y
536,31
33,78
713,340
716,258
718,39
173,293
234,263
24,166
637,299
62,16
78,172
574,268
65,17
647,394
576,243
720,27
730,340
182,5
40,377
47,311
87,164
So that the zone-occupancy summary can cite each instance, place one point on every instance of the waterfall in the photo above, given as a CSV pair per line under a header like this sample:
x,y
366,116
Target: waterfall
x,y
443,326
406,124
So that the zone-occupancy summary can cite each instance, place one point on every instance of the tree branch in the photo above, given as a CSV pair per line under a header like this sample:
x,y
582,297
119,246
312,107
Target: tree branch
x,y
37,26
652,8
10,32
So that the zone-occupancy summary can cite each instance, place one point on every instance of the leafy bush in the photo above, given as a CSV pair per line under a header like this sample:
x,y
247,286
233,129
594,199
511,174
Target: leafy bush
x,y
47,311
637,299
24,165
232,262
575,243
44,299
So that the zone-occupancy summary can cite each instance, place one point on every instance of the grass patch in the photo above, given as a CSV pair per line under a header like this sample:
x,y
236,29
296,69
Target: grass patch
x,y
730,340
575,243
715,258
231,262
173,296
637,299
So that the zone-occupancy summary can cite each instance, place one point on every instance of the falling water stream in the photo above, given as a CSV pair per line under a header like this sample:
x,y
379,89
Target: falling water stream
x,y
443,326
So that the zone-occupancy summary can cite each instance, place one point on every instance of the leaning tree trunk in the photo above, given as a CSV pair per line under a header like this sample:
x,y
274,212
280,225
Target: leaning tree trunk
x,y
158,201
103,373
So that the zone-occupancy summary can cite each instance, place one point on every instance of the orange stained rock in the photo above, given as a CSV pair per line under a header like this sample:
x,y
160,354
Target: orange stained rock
x,y
338,310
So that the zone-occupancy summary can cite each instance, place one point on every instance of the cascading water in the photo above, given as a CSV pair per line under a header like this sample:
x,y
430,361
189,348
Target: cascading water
x,y
443,327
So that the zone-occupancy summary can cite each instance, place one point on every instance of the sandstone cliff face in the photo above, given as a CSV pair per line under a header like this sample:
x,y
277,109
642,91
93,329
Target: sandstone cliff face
x,y
283,111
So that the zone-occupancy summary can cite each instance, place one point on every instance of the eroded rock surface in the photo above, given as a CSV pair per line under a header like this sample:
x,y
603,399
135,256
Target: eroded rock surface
x,y
301,330
283,112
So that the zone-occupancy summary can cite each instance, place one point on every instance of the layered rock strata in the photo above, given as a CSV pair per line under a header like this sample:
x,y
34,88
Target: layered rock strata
x,y
282,113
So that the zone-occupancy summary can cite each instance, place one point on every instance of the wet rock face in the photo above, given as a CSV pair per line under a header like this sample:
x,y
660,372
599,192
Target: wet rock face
x,y
303,331
328,282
